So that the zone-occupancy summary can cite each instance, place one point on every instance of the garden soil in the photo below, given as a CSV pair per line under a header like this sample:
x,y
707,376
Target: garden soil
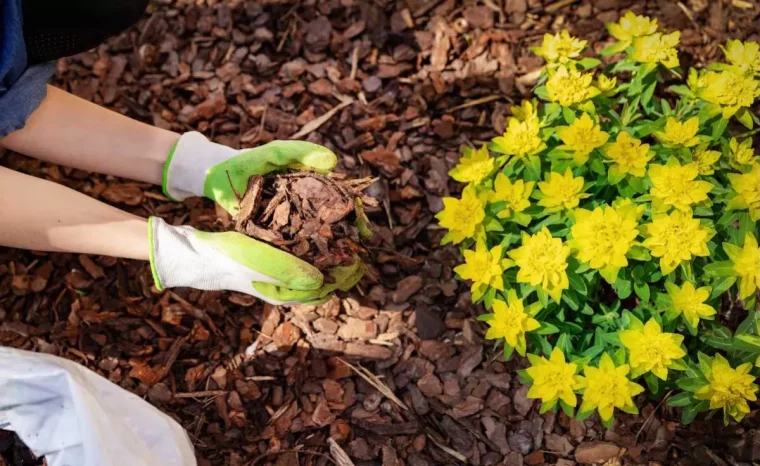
x,y
396,372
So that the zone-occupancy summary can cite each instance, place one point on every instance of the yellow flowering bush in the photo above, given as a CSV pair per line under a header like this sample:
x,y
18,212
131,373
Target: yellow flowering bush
x,y
613,223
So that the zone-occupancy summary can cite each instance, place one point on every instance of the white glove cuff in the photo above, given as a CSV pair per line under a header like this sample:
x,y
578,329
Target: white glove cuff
x,y
187,165
179,258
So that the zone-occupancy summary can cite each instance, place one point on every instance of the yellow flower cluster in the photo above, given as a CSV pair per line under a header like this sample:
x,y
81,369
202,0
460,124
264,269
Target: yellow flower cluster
x,y
462,217
581,137
676,238
614,192
603,237
568,86
559,48
729,389
628,154
676,185
542,261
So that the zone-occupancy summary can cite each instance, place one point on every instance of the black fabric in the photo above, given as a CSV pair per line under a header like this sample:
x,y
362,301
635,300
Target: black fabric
x,y
59,28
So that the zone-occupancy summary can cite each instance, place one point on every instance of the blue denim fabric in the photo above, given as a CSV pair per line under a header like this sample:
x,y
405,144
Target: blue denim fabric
x,y
22,88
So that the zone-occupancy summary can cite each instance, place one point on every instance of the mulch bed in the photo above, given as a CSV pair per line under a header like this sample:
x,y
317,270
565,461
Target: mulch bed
x,y
395,88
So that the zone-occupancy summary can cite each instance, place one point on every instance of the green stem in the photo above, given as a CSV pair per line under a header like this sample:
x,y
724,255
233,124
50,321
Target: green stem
x,y
748,133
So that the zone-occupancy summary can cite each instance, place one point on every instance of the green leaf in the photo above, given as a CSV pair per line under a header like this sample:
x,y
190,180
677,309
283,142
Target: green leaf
x,y
521,218
547,407
642,291
749,325
568,115
612,49
508,350
593,352
720,269
588,63
746,342
745,118
688,414
571,298
721,285
542,93
569,410
570,328
597,166
639,253
547,329
618,357
583,415
705,364
533,168
623,288
652,382
489,297
577,283
646,97
718,128
491,224
691,385
680,400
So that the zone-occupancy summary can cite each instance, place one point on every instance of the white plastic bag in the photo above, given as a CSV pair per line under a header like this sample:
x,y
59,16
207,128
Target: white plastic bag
x,y
74,417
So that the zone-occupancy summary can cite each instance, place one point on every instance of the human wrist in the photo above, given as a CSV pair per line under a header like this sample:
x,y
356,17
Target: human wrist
x,y
186,166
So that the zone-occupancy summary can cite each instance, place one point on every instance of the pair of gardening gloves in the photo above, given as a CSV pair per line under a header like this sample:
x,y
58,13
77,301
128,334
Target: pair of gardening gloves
x,y
184,256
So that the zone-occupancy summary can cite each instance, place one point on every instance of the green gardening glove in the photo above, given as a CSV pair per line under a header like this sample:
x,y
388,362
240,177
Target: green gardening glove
x,y
199,167
184,256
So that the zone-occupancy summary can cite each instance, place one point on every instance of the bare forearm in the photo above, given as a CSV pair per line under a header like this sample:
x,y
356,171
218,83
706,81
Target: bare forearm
x,y
45,216
70,131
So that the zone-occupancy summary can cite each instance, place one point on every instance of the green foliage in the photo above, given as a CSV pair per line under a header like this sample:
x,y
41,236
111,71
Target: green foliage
x,y
621,213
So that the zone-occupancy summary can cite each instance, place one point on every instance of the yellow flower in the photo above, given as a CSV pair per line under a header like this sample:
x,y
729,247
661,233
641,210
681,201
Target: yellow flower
x,y
747,187
625,206
743,55
561,191
607,387
553,379
514,194
632,26
746,264
680,134
484,268
705,159
652,350
607,85
463,217
527,111
559,48
730,89
690,302
473,166
675,238
569,86
543,262
742,153
675,185
603,238
521,138
728,389
582,137
657,48
628,154
511,322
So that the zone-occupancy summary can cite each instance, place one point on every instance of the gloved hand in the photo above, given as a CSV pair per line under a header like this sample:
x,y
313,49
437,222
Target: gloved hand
x,y
184,256
199,167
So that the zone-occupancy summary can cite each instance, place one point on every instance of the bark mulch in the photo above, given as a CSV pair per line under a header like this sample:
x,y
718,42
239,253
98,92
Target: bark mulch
x,y
397,372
